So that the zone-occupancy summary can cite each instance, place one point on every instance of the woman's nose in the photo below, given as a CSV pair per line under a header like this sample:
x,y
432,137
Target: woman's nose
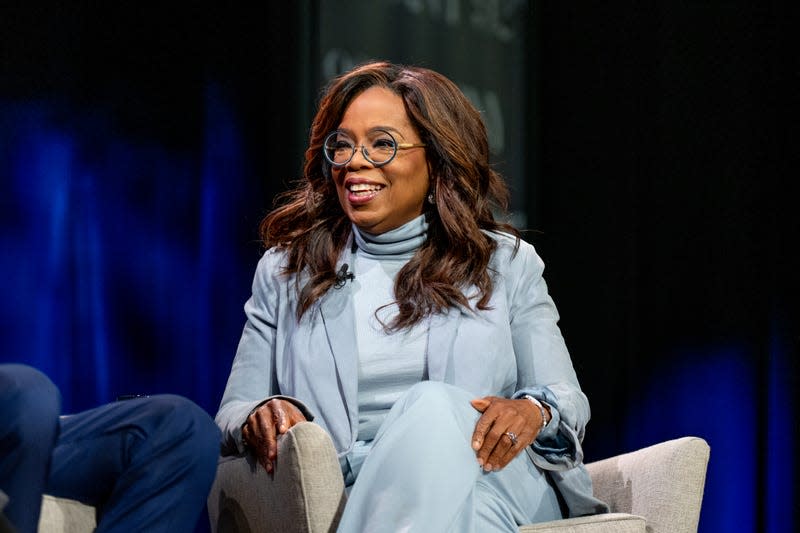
x,y
359,160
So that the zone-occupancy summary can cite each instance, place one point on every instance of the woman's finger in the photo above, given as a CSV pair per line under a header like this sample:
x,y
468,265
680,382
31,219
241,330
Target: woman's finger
x,y
286,415
480,434
524,436
264,429
495,444
271,432
509,427
480,404
265,424
484,422
281,419
504,446
502,461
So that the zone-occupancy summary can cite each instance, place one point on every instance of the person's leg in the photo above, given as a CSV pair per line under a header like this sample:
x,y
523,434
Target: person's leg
x,y
422,474
147,463
29,407
518,494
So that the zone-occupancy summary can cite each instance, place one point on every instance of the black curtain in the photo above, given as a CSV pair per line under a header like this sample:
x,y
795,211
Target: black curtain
x,y
139,148
667,215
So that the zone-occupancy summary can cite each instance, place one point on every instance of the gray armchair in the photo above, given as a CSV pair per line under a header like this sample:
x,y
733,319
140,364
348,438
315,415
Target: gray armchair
x,y
60,515
658,489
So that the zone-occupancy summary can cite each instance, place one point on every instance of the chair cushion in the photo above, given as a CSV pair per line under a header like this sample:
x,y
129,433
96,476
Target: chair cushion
x,y
602,523
60,515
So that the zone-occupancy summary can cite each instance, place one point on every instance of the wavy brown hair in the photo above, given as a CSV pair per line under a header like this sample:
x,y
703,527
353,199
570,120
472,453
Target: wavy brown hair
x,y
310,225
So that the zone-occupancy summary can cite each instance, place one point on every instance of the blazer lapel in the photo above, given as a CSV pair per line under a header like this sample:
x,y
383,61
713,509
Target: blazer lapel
x,y
336,309
338,317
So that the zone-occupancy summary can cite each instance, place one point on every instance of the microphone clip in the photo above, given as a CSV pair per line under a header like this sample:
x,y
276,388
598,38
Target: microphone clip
x,y
342,276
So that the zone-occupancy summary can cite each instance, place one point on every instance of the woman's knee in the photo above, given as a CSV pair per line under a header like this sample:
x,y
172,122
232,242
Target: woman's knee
x,y
437,401
437,393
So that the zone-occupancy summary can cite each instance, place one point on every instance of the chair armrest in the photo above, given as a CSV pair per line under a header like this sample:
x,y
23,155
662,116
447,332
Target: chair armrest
x,y
61,515
598,523
305,493
663,483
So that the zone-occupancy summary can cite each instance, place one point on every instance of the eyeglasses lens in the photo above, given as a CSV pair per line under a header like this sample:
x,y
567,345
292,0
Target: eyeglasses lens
x,y
379,148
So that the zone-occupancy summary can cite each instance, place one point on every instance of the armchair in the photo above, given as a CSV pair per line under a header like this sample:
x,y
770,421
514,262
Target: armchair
x,y
658,489
60,515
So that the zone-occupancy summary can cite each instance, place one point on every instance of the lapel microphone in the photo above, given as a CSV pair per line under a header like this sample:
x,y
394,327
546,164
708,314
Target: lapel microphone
x,y
342,276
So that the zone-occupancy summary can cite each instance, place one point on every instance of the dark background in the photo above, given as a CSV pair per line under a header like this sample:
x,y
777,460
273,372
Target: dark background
x,y
139,148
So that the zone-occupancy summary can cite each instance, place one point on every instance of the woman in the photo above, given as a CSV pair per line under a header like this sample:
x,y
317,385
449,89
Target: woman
x,y
395,311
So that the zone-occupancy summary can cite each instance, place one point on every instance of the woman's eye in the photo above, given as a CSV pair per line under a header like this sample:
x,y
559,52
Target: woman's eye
x,y
383,144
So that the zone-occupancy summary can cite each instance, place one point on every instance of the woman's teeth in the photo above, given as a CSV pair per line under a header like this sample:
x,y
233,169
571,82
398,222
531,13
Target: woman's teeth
x,y
364,188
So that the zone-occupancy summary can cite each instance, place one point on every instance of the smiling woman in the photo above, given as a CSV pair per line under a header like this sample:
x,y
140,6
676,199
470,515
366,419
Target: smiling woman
x,y
383,196
439,370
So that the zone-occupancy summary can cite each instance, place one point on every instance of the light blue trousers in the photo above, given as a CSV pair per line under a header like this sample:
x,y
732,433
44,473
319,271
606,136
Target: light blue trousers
x,y
422,475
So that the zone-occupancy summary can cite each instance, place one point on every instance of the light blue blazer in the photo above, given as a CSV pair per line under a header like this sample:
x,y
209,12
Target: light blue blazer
x,y
512,349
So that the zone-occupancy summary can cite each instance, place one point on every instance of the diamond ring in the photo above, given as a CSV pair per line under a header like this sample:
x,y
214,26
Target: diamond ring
x,y
512,436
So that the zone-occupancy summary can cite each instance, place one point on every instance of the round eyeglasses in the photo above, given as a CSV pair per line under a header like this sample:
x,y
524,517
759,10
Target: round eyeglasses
x,y
379,148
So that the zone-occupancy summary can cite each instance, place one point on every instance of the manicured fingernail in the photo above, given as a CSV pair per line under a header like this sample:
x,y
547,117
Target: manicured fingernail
x,y
476,444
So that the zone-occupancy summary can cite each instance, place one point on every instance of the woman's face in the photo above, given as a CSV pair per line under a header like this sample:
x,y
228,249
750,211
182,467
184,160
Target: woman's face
x,y
379,199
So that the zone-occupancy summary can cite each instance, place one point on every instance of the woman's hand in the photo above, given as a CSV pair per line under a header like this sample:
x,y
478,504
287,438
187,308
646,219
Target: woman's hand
x,y
263,426
494,447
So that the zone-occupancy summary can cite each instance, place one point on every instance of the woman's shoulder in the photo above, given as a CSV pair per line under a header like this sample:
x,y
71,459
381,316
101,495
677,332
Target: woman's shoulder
x,y
511,249
275,254
515,263
272,263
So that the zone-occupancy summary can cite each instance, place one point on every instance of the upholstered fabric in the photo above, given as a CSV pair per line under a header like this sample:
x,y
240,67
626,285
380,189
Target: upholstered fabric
x,y
307,483
605,523
663,483
60,515
658,489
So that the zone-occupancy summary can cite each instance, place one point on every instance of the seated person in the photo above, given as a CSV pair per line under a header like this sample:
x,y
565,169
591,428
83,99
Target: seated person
x,y
147,464
394,310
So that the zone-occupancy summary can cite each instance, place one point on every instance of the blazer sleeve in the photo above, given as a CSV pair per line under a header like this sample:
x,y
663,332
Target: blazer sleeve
x,y
252,380
544,366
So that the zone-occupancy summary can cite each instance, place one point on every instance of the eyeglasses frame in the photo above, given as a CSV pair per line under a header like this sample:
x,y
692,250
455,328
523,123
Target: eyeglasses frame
x,y
397,147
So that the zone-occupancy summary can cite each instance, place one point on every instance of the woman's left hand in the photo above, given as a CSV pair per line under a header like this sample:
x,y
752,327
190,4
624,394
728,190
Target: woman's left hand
x,y
503,418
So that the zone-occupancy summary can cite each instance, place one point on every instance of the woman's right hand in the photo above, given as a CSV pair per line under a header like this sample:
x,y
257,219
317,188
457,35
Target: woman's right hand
x,y
263,426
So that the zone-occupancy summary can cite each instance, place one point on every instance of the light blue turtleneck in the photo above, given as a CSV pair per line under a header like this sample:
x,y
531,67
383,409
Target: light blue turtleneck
x,y
389,363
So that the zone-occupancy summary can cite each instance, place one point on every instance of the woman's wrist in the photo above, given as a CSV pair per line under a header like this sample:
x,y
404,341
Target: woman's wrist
x,y
542,410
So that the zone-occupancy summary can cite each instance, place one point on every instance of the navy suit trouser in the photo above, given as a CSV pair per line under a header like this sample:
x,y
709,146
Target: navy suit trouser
x,y
147,464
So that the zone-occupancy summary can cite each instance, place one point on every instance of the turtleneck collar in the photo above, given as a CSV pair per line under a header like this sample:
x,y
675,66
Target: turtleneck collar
x,y
404,240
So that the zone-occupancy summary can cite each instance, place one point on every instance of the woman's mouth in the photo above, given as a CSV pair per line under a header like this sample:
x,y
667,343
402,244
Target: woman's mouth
x,y
359,193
